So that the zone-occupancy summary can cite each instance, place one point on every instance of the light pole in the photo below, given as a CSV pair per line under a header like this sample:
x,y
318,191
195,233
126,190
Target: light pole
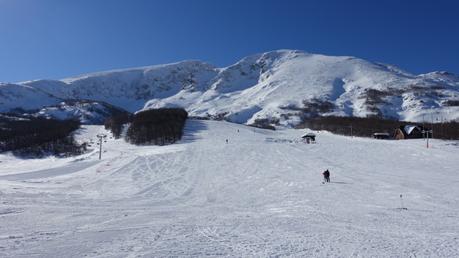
x,y
102,138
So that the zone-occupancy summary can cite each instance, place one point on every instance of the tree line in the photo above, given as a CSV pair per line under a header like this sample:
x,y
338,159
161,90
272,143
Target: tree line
x,y
116,122
37,136
366,126
157,126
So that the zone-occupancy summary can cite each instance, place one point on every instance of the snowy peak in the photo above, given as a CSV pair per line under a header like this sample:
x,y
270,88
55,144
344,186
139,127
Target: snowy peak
x,y
442,77
281,87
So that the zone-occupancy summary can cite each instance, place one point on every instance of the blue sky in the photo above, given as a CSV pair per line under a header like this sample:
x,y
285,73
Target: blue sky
x,y
59,38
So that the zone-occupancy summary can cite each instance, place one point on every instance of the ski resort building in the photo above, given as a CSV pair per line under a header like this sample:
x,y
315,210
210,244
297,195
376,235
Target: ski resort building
x,y
309,138
398,134
412,132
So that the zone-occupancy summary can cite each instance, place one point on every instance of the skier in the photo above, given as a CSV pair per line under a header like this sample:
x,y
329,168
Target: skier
x,y
226,140
326,174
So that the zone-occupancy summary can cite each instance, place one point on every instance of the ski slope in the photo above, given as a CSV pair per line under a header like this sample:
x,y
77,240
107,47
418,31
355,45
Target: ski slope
x,y
259,195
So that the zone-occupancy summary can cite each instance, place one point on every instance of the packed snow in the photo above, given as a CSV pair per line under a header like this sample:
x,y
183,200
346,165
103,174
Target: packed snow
x,y
261,194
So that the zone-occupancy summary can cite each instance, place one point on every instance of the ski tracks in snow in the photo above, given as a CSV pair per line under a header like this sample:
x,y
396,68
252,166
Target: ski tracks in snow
x,y
247,198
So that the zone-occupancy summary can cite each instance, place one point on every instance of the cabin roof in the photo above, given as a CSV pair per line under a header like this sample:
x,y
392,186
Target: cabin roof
x,y
385,134
409,128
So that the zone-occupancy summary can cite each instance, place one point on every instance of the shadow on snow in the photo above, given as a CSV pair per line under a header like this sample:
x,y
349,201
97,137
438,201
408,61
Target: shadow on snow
x,y
192,128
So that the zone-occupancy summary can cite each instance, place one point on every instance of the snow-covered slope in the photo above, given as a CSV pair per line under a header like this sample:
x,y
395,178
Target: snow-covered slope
x,y
15,96
260,195
131,88
282,86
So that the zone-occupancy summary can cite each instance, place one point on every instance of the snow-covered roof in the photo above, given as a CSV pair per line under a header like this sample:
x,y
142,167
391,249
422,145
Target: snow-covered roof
x,y
381,134
409,128
308,135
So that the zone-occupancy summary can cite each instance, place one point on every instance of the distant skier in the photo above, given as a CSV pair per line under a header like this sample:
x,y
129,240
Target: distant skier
x,y
226,140
326,174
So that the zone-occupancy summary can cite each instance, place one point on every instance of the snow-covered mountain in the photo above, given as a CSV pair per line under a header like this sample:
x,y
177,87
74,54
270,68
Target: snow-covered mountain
x,y
281,86
35,102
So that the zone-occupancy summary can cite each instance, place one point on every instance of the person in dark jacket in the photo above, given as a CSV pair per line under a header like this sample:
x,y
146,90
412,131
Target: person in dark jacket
x,y
326,174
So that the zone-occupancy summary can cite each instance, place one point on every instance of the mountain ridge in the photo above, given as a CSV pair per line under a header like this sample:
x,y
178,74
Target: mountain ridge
x,y
282,86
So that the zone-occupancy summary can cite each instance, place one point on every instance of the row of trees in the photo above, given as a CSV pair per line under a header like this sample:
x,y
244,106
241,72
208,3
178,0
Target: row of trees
x,y
265,123
157,126
449,130
115,123
365,127
31,136
356,126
